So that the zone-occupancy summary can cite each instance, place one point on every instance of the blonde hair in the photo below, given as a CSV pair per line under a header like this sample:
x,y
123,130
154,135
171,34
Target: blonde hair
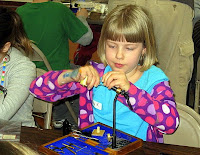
x,y
132,23
15,148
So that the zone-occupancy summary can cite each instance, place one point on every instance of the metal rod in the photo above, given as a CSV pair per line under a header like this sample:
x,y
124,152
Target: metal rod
x,y
114,122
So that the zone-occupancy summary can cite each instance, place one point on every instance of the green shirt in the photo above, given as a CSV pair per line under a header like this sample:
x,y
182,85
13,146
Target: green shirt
x,y
50,25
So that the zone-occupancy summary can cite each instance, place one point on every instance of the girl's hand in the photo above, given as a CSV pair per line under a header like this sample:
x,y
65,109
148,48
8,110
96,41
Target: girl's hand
x,y
92,75
117,79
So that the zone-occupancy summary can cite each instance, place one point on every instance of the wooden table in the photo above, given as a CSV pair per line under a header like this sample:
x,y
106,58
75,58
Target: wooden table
x,y
34,137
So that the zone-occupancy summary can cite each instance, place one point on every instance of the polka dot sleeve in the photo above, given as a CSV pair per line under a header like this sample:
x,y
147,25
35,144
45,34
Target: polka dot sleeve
x,y
158,108
46,87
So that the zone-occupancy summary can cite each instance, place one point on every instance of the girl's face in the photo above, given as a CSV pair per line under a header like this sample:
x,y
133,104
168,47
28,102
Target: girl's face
x,y
124,56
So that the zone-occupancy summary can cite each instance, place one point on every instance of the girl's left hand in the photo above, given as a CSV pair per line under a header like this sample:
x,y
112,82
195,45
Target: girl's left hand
x,y
117,79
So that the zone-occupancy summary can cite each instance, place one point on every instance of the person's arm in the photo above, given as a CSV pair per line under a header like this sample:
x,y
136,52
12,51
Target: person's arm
x,y
87,37
74,26
20,77
157,108
46,87
56,85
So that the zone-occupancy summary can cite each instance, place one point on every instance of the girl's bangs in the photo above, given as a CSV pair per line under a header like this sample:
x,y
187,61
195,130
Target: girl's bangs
x,y
121,32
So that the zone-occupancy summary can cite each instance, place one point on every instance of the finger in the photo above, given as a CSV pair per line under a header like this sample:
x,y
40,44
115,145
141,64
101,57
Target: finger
x,y
97,78
110,77
105,78
83,73
92,75
114,83
94,78
91,84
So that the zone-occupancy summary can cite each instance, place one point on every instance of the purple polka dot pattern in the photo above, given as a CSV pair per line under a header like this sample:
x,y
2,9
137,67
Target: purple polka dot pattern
x,y
158,108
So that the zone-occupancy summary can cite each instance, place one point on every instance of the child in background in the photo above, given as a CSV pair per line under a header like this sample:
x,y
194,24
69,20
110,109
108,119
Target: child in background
x,y
51,25
128,52
16,70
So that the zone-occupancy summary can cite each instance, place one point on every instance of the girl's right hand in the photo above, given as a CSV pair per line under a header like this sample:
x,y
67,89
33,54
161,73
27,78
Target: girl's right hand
x,y
93,78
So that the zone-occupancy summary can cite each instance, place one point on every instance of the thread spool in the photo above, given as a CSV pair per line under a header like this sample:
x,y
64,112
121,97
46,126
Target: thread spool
x,y
84,81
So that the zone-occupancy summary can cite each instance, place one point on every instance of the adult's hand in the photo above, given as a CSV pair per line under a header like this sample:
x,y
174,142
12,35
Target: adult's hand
x,y
82,12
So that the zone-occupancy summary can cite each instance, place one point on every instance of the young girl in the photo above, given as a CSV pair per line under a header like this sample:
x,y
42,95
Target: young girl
x,y
16,70
127,50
